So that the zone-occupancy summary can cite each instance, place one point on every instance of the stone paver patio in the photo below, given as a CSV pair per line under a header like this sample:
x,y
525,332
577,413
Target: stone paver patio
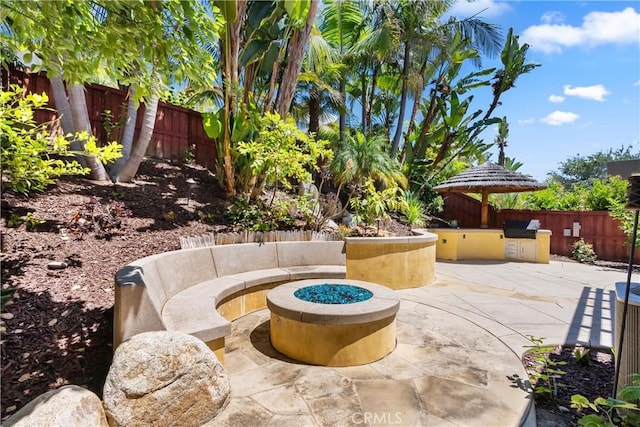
x,y
457,360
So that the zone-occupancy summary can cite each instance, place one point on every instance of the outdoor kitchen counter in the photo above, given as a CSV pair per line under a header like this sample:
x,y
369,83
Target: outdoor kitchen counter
x,y
482,243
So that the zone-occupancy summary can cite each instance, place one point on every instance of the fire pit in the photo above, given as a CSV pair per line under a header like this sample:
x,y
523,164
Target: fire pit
x,y
333,324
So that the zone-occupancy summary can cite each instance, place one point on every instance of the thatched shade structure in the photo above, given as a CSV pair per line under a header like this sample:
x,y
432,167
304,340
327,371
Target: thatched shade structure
x,y
489,178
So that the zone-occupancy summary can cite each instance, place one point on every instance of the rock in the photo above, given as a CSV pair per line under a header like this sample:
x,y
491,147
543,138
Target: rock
x,y
68,406
164,378
348,219
57,265
331,224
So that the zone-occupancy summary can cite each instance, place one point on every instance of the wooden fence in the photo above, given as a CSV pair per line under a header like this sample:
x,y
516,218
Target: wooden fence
x,y
596,227
177,129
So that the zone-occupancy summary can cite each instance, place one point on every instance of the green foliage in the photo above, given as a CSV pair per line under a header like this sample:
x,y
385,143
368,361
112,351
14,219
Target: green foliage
x,y
544,372
583,252
598,195
29,220
188,155
626,219
6,294
603,194
280,153
610,412
618,211
414,210
371,205
555,197
360,158
256,215
584,169
111,127
581,356
31,159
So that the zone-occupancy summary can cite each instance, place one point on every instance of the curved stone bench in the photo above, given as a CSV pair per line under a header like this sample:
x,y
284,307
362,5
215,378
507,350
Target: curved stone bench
x,y
200,291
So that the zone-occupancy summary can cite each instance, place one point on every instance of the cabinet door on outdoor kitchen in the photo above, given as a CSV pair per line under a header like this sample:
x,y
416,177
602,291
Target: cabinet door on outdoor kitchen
x,y
523,250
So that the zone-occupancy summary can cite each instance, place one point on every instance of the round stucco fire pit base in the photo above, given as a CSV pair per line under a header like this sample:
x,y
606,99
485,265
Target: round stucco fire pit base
x,y
346,334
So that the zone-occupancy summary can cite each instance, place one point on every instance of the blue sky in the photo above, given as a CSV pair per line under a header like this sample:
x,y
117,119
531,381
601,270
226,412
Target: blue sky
x,y
585,96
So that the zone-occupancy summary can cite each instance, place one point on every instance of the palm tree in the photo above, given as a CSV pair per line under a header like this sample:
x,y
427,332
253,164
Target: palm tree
x,y
342,24
295,55
501,139
420,28
359,158
513,57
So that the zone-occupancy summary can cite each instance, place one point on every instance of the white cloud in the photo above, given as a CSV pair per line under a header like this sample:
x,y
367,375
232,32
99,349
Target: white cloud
x,y
552,17
595,92
526,121
637,83
558,118
597,28
556,98
485,8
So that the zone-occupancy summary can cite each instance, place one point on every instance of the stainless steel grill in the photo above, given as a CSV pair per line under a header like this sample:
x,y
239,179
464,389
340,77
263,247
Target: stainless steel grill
x,y
519,229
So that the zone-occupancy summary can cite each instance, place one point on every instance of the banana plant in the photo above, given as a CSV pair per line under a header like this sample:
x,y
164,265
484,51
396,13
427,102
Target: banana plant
x,y
514,65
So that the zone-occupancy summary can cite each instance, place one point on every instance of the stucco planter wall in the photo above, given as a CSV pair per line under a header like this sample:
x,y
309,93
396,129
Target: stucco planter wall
x,y
395,262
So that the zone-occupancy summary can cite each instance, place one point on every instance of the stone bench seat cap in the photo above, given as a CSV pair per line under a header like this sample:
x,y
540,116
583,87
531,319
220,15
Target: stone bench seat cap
x,y
420,236
383,304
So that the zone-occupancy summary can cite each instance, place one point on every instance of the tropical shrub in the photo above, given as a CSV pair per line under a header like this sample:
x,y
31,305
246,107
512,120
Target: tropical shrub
x,y
555,197
256,215
30,221
604,194
31,159
544,372
626,219
610,412
279,153
370,204
583,252
414,210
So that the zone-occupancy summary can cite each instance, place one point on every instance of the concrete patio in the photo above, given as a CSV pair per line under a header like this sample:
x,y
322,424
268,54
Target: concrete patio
x,y
457,361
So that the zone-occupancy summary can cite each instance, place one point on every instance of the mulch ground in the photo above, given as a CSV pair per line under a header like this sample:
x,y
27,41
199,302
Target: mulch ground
x,y
592,378
57,328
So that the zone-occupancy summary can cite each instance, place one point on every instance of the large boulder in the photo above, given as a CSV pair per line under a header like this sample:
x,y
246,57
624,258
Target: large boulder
x,y
164,379
68,406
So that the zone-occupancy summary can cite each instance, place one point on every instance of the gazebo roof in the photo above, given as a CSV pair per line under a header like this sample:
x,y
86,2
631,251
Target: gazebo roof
x,y
491,178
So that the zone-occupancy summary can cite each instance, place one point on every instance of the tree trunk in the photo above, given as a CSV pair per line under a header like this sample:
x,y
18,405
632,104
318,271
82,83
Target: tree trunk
x,y
249,76
374,83
299,41
343,111
426,124
62,105
363,97
64,112
127,136
78,104
272,83
314,112
403,99
130,168
414,111
235,40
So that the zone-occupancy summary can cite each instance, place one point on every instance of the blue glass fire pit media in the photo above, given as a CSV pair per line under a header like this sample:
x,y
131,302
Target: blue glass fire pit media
x,y
330,293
